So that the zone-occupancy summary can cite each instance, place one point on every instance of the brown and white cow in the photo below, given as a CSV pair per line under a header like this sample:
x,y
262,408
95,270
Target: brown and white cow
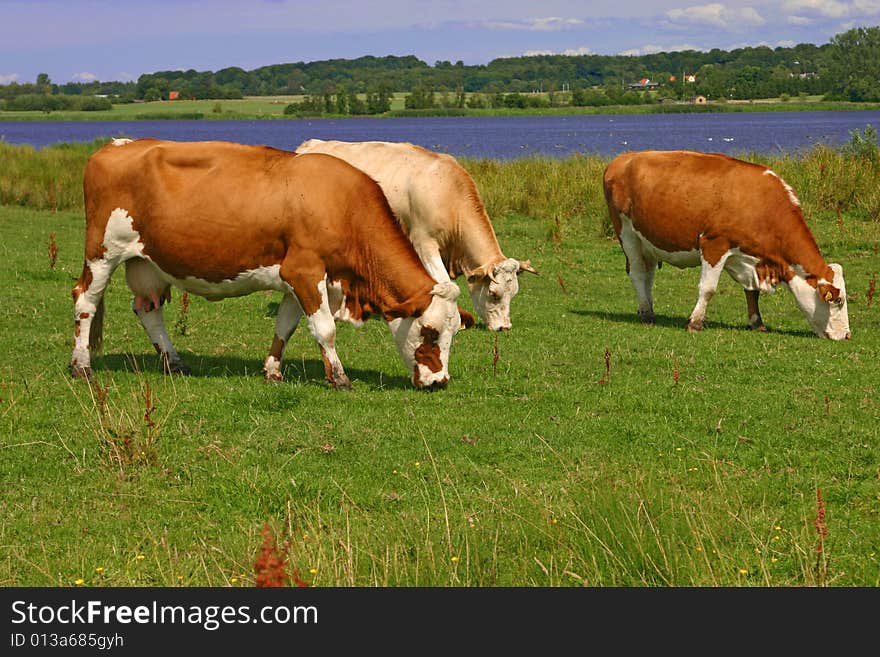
x,y
720,214
219,220
437,203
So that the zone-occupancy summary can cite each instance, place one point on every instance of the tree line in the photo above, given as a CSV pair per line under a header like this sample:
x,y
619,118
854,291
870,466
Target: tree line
x,y
846,68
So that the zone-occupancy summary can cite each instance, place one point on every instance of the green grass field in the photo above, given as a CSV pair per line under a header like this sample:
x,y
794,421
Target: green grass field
x,y
580,448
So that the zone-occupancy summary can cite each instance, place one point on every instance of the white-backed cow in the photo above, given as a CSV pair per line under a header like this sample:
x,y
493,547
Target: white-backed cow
x,y
720,214
437,203
219,220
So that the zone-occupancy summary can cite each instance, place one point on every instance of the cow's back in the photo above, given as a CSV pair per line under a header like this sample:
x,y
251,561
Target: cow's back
x,y
246,206
673,197
433,197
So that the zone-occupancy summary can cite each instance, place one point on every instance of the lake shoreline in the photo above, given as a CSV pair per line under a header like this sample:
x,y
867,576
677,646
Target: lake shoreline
x,y
206,110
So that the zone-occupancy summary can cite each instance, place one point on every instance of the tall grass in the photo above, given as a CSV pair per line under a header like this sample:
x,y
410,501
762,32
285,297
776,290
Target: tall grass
x,y
565,193
45,179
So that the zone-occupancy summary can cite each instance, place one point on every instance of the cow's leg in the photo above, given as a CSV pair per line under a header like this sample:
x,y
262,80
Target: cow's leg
x,y
88,314
323,328
289,314
150,292
429,254
755,321
153,321
641,268
309,284
713,257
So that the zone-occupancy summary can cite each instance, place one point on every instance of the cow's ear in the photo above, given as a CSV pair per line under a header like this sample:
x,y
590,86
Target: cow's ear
x,y
412,307
827,292
480,272
526,265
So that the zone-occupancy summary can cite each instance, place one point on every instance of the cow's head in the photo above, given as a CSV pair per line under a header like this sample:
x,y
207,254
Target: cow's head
x,y
493,287
823,303
424,341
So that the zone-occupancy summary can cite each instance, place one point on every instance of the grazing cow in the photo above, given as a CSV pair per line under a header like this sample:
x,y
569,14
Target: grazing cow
x,y
440,209
219,220
718,213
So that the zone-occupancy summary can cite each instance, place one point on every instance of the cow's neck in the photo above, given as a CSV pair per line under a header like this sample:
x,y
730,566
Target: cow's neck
x,y
391,276
801,249
473,246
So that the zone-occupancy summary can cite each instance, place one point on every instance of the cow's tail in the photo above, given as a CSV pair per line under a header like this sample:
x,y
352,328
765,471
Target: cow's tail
x,y
96,331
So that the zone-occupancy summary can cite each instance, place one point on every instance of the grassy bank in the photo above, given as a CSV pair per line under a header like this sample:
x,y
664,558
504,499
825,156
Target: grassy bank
x,y
579,448
272,107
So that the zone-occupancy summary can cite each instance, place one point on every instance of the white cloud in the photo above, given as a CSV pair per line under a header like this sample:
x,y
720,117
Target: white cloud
x,y
827,8
85,76
571,52
717,15
651,49
867,7
799,20
549,24
8,78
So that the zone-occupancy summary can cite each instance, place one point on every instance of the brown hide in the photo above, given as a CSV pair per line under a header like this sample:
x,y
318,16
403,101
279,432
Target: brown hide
x,y
681,201
214,209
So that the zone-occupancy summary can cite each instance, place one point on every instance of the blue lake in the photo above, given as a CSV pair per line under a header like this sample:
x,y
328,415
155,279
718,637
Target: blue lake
x,y
494,137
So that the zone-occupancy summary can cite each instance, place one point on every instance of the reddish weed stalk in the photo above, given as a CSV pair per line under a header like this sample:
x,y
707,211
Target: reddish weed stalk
x,y
675,373
271,564
822,531
871,285
53,250
607,377
149,407
561,283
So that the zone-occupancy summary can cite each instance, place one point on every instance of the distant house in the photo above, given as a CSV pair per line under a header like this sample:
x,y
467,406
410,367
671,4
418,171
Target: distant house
x,y
644,84
690,77
173,95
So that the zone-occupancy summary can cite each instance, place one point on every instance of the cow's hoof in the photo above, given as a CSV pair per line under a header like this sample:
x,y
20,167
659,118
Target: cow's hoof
x,y
274,377
77,371
176,367
647,318
695,327
759,327
342,383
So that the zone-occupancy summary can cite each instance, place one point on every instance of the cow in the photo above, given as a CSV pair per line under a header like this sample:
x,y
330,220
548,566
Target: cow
x,y
220,219
719,213
437,203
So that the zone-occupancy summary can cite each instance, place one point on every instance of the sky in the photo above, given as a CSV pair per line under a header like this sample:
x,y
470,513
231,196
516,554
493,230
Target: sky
x,y
107,40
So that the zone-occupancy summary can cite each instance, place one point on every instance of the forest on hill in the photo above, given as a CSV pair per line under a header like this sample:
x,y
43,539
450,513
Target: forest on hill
x,y
846,68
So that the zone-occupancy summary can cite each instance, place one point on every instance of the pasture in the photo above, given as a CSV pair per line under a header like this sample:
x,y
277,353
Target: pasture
x,y
580,448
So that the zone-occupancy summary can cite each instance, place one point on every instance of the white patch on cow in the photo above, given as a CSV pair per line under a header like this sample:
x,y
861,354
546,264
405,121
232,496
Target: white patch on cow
x,y
272,368
742,268
788,189
442,315
336,300
122,242
828,320
639,244
121,141
492,294
709,277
